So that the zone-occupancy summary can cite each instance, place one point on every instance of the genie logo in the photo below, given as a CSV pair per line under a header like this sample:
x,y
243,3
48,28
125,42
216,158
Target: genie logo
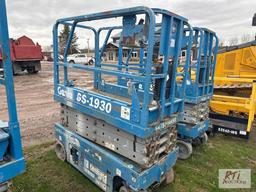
x,y
166,124
65,92
61,92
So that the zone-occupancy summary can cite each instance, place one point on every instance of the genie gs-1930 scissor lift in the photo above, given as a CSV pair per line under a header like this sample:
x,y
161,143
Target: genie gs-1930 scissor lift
x,y
122,133
199,89
11,159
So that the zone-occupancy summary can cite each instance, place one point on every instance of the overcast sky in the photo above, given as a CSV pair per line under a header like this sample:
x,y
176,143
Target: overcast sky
x,y
35,18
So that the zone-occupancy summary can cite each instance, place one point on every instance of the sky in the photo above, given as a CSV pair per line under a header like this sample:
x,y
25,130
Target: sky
x,y
35,18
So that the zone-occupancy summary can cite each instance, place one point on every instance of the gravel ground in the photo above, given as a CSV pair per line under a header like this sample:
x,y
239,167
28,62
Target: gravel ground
x,y
37,111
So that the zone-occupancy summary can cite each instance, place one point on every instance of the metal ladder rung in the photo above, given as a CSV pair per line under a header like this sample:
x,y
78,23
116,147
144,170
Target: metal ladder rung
x,y
158,76
179,74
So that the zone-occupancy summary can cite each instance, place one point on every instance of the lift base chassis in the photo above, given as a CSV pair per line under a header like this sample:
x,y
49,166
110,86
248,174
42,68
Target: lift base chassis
x,y
106,168
191,132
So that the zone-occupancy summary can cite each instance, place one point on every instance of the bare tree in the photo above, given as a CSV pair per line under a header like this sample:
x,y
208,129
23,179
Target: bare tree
x,y
221,43
233,41
245,38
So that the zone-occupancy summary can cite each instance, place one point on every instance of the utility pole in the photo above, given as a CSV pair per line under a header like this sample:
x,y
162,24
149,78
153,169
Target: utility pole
x,y
88,43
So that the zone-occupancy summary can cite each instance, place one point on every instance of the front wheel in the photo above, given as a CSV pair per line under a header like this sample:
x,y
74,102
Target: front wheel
x,y
6,186
169,178
185,149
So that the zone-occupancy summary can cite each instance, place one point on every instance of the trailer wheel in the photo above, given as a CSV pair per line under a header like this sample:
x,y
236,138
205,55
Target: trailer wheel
x,y
60,151
185,149
169,177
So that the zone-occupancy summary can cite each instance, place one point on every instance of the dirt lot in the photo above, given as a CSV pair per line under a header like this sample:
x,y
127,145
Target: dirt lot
x,y
37,110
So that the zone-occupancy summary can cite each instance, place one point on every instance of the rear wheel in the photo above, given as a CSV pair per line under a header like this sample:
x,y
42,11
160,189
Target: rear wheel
x,y
72,62
14,72
90,62
185,149
32,70
60,151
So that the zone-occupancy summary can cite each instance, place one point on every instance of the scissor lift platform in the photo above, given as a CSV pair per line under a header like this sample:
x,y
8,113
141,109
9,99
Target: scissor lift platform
x,y
199,89
134,118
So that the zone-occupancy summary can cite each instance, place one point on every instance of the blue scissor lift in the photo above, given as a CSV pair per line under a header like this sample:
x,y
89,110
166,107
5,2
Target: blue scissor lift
x,y
11,159
199,89
122,133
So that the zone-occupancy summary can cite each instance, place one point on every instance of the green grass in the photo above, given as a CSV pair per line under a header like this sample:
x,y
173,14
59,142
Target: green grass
x,y
45,173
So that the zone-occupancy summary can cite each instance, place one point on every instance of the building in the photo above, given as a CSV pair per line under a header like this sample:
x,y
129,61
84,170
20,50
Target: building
x,y
111,51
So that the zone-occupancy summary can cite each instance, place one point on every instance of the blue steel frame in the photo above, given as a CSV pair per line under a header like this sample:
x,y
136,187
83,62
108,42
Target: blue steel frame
x,y
16,164
188,132
111,164
199,90
144,119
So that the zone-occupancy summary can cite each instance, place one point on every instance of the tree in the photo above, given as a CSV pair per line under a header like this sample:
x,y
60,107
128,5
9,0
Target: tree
x,y
221,43
63,38
245,38
233,41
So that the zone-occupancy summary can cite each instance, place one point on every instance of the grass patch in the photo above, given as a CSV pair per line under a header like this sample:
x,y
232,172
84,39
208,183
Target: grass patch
x,y
46,173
